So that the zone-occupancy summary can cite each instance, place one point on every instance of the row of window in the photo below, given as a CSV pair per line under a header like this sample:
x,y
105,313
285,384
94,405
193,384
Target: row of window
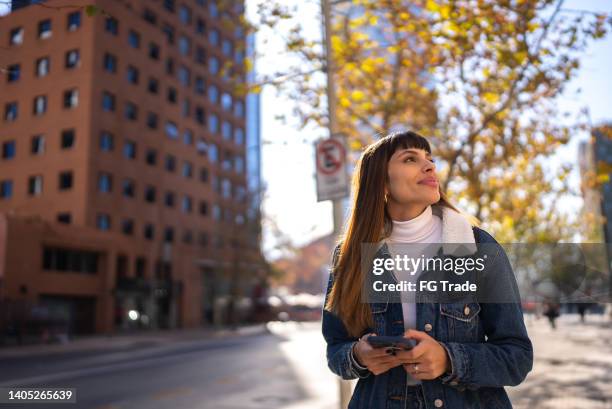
x,y
184,75
229,161
65,182
37,146
127,227
44,28
42,66
70,100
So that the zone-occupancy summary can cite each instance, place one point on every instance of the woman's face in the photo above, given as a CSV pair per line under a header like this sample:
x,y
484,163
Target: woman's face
x,y
413,182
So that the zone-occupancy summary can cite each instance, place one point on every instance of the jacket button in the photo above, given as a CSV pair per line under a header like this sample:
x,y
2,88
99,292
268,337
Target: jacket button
x,y
454,383
466,310
438,403
428,327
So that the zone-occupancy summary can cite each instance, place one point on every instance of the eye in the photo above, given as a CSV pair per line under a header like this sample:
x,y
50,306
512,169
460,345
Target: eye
x,y
409,158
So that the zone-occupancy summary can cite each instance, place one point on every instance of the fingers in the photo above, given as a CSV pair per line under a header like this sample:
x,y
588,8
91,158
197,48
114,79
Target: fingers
x,y
415,354
416,335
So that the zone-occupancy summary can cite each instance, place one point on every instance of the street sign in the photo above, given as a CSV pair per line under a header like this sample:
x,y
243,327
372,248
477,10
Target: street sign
x,y
332,177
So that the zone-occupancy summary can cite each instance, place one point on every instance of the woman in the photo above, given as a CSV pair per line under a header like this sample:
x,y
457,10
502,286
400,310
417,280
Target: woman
x,y
397,199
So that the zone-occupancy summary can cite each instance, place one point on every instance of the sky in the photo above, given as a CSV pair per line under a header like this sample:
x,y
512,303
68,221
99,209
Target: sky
x,y
288,155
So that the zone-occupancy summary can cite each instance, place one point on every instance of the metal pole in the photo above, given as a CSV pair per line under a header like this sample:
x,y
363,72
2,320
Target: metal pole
x,y
344,387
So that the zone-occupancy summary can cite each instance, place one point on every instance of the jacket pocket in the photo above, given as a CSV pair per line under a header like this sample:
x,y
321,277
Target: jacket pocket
x,y
379,311
462,321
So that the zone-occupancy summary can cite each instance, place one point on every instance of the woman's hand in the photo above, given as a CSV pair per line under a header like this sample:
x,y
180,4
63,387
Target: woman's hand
x,y
377,360
427,360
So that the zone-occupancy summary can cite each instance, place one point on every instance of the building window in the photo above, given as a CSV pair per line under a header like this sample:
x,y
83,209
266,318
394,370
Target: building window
x,y
171,130
203,208
170,164
42,67
152,120
168,30
8,150
150,194
216,212
40,105
128,188
213,94
186,108
200,55
68,136
213,37
110,63
201,146
76,261
35,185
226,101
153,86
200,115
112,25
213,65
151,157
169,66
203,239
131,111
188,237
149,231
129,150
103,221
153,51
107,143
186,204
239,109
65,180
200,26
6,189
108,102
169,234
127,226
105,182
149,16
213,10
132,75
238,164
140,267
13,73
65,218
134,39
184,76
200,85
203,175
212,152
184,45
171,97
74,21
71,98
11,111
16,36
38,145
188,137
44,29
187,169
185,14
169,199
72,59
239,136
169,5
226,189
226,130
226,47
213,123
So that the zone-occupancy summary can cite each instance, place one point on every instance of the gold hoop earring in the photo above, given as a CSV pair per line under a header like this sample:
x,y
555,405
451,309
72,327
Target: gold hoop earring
x,y
386,197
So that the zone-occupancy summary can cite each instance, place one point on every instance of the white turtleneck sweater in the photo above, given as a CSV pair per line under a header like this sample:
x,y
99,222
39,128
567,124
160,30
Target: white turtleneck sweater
x,y
410,238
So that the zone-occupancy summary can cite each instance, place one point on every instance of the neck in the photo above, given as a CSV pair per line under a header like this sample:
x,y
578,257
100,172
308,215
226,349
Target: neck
x,y
404,213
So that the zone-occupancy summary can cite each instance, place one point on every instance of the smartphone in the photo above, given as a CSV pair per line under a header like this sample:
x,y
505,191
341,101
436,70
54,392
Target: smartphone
x,y
393,342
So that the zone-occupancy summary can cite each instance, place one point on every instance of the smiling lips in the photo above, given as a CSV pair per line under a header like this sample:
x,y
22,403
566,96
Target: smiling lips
x,y
433,182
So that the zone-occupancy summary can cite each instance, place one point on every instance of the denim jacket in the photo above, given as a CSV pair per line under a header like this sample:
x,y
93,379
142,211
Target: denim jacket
x,y
487,344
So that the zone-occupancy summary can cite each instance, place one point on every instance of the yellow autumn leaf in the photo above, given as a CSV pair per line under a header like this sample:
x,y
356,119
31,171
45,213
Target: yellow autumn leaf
x,y
344,102
357,95
490,97
373,20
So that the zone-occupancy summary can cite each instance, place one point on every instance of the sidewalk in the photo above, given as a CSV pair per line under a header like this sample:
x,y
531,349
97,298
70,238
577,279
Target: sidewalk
x,y
121,341
572,365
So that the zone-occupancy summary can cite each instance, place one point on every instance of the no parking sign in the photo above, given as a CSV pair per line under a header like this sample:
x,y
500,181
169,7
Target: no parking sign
x,y
332,178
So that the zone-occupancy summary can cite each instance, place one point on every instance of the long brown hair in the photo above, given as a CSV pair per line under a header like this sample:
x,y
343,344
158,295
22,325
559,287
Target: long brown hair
x,y
369,222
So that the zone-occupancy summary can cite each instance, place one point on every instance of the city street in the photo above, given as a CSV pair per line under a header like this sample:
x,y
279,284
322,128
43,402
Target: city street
x,y
284,367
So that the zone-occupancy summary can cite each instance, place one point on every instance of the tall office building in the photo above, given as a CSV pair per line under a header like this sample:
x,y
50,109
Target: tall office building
x,y
124,170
